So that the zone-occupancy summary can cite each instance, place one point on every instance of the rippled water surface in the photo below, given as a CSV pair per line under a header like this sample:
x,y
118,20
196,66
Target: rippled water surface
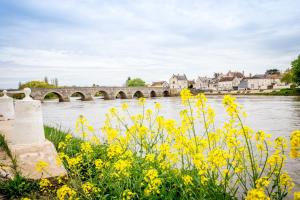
x,y
276,115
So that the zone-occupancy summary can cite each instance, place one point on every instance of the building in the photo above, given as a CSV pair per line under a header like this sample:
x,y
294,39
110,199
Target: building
x,y
203,83
228,83
178,82
191,84
162,84
234,74
261,82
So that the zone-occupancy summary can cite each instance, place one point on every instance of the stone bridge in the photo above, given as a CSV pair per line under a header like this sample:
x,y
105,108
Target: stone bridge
x,y
88,93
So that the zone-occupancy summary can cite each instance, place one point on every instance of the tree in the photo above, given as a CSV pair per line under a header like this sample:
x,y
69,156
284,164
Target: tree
x,y
296,71
46,79
287,76
272,72
126,83
36,84
56,82
135,82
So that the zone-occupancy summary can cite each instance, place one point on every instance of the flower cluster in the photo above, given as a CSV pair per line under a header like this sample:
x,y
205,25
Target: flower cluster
x,y
149,156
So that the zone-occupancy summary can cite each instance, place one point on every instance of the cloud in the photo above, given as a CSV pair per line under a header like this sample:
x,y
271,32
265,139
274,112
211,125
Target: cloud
x,y
104,42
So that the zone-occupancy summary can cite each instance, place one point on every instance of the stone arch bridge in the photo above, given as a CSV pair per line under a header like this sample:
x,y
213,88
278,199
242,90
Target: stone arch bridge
x,y
88,93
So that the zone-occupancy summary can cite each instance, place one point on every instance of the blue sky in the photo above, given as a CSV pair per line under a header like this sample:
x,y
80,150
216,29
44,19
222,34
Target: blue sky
x,y
103,42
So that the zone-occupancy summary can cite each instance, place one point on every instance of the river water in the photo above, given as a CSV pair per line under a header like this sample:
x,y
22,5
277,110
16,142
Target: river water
x,y
277,115
274,114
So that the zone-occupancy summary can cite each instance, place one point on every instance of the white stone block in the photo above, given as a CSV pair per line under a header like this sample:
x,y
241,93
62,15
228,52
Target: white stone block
x,y
28,156
28,125
6,107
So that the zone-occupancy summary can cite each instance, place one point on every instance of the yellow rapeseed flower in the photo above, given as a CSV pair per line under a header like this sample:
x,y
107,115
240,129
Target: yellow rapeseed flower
x,y
86,147
65,192
297,195
187,180
256,194
295,144
41,166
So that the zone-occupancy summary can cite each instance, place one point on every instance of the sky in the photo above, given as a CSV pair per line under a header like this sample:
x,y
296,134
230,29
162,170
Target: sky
x,y
85,42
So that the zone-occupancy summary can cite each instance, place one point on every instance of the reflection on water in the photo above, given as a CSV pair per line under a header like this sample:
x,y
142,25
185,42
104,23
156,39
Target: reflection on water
x,y
276,115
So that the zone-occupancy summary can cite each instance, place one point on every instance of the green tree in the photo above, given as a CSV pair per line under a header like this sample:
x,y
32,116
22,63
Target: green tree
x,y
287,76
296,71
136,82
126,83
272,71
36,84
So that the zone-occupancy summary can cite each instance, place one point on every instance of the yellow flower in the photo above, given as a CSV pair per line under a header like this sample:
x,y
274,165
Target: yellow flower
x,y
280,143
41,166
256,194
44,184
122,167
297,195
286,181
114,151
89,188
65,192
95,140
142,101
127,195
124,106
187,180
86,147
230,105
113,111
186,95
153,182
295,144
150,157
61,145
157,106
25,198
68,137
262,182
73,162
99,164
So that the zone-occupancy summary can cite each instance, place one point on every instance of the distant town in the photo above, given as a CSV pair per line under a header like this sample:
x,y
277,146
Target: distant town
x,y
230,81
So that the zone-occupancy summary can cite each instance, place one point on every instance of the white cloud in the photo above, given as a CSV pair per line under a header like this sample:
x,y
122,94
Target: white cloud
x,y
85,42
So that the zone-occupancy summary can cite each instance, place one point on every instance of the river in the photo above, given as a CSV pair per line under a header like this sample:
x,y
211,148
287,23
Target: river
x,y
277,115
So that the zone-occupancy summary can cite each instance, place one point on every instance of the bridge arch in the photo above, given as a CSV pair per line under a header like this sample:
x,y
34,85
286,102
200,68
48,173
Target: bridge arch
x,y
78,94
102,93
166,93
121,95
53,95
153,94
138,94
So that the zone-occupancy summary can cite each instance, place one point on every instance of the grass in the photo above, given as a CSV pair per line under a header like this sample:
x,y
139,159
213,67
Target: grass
x,y
20,186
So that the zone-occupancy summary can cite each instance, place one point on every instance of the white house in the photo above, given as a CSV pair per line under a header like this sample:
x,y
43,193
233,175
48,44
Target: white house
x,y
178,82
260,82
204,83
228,83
